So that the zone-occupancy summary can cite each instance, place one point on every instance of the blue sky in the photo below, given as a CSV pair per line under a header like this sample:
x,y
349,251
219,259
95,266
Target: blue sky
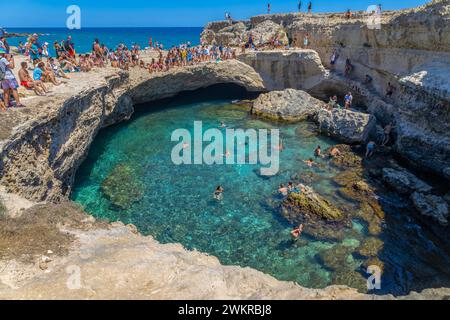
x,y
163,13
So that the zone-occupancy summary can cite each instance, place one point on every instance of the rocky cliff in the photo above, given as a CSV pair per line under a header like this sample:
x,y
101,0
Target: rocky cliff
x,y
44,144
411,50
72,256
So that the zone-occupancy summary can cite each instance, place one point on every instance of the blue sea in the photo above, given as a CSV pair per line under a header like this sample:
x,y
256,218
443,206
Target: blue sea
x,y
84,38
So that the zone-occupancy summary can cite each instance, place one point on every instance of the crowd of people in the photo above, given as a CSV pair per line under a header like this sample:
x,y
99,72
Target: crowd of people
x,y
41,67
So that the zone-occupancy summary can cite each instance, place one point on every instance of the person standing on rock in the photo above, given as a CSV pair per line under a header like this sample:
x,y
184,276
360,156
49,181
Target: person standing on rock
x,y
8,81
348,100
306,41
299,6
268,8
370,149
310,7
387,133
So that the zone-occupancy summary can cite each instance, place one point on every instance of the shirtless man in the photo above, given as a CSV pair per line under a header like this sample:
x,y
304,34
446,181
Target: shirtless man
x,y
98,53
283,190
390,90
28,82
334,152
297,232
309,162
387,133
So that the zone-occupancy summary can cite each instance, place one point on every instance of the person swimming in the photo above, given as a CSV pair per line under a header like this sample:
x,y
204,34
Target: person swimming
x,y
218,194
318,152
280,146
223,125
297,232
309,162
283,190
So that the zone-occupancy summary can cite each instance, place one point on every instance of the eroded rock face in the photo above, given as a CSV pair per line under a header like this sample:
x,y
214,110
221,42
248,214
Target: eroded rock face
x,y
39,159
404,181
431,206
296,69
345,125
287,105
265,32
132,266
169,84
411,51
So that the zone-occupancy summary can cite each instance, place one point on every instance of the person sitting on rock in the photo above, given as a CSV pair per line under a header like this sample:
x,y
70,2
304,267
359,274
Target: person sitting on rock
x,y
334,152
26,81
333,103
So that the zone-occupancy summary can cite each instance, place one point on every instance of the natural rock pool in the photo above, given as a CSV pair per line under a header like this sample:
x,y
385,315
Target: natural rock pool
x,y
129,176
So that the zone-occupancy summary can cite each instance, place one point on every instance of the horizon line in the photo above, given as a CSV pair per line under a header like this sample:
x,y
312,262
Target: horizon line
x,y
116,27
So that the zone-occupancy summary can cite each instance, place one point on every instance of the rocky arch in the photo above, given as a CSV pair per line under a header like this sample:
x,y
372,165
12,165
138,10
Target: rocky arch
x,y
196,77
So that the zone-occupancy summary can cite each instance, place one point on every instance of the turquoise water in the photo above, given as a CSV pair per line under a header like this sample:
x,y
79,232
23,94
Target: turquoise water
x,y
84,38
174,204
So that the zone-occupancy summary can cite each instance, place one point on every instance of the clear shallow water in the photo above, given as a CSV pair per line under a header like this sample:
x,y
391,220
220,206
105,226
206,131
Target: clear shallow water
x,y
84,38
246,228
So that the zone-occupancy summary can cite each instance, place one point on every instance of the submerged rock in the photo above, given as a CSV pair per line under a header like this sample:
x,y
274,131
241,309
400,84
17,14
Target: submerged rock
x,y
336,258
308,207
373,261
286,105
368,214
122,187
370,247
347,177
404,181
431,206
325,232
350,278
346,125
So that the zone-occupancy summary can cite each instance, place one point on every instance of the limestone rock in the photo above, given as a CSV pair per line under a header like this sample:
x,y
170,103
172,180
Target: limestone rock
x,y
404,181
346,158
431,206
309,207
287,105
296,68
348,126
267,31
